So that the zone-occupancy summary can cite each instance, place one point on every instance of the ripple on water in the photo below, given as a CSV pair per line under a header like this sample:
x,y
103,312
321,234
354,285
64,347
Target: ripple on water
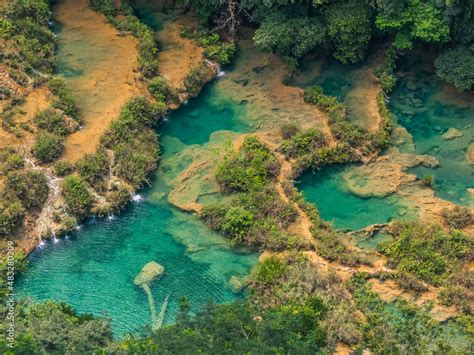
x,y
94,269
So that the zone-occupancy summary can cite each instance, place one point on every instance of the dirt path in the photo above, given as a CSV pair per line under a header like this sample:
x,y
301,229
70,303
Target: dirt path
x,y
99,66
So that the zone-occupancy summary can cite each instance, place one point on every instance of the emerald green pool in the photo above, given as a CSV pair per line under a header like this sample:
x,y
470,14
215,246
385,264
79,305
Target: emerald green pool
x,y
427,108
328,190
93,269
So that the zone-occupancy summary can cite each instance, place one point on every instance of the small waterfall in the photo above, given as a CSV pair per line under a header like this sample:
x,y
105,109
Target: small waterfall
x,y
110,217
220,73
137,198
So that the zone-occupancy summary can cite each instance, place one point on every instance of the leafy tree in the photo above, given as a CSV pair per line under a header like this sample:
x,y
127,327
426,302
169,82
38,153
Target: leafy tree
x,y
11,214
289,36
456,65
411,20
94,168
349,28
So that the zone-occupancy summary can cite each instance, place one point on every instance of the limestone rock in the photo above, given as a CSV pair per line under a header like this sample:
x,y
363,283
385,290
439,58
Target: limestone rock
x,y
452,133
470,154
148,273
236,284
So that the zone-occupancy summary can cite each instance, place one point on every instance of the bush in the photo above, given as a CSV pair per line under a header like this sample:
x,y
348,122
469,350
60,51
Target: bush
x,y
215,49
159,88
11,215
250,169
48,147
51,121
458,217
196,79
63,168
118,198
303,143
456,65
94,168
31,187
77,197
268,271
64,98
426,251
10,160
288,130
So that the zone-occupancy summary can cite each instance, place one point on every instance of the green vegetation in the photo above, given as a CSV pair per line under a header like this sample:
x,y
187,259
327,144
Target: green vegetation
x,y
133,141
128,22
426,251
302,143
458,217
11,215
64,99
288,35
214,48
55,328
250,169
456,65
94,168
25,24
63,168
51,121
349,28
23,190
48,147
159,88
196,79
29,186
401,326
78,198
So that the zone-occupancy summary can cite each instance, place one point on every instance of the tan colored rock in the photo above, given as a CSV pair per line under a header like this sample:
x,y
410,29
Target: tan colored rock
x,y
148,273
470,154
452,133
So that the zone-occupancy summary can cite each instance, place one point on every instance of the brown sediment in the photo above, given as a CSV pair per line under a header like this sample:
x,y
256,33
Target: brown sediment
x,y
35,100
361,101
179,55
105,64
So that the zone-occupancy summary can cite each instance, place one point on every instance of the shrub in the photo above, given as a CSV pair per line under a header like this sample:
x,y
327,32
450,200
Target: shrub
x,y
213,215
288,130
458,217
51,121
303,143
31,187
11,214
427,180
250,169
268,271
237,223
48,147
94,168
135,159
456,65
196,78
63,168
76,195
64,98
118,198
10,160
159,88
426,251
215,49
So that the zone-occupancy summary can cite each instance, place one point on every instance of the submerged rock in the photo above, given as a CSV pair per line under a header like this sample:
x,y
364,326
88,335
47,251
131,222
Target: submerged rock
x,y
236,284
148,273
452,133
470,154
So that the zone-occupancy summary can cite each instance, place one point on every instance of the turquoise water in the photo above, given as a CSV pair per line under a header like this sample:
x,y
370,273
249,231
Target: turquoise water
x,y
93,269
426,107
328,190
